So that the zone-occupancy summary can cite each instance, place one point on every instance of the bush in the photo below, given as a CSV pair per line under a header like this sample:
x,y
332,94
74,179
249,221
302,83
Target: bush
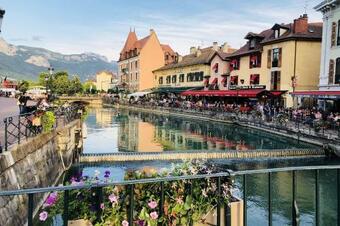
x,y
48,120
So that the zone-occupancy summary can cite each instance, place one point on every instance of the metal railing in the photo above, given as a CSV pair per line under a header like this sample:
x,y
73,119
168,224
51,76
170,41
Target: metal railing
x,y
20,127
98,190
129,184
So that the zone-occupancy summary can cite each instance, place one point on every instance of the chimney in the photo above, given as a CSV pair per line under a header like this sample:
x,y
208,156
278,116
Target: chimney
x,y
179,58
225,47
215,46
193,50
198,52
301,24
152,31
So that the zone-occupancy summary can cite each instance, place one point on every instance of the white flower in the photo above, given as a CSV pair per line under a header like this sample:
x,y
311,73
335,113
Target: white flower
x,y
96,173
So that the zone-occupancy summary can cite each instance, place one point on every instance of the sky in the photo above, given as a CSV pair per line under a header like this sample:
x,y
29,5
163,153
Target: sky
x,y
101,26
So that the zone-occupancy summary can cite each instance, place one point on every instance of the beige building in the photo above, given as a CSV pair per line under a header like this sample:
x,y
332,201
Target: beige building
x,y
284,59
105,80
139,58
195,70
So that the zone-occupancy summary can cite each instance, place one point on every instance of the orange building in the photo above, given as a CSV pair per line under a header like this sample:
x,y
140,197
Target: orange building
x,y
139,58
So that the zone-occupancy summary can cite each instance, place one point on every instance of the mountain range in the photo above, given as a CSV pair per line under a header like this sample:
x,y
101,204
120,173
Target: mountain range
x,y
24,62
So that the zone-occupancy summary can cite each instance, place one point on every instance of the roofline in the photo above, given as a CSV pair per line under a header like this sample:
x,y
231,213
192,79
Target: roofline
x,y
286,39
324,4
212,57
245,54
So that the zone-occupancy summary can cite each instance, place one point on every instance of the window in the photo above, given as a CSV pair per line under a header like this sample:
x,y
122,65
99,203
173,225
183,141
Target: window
x,y
215,68
276,61
131,65
201,75
181,78
160,80
190,77
168,79
252,43
275,80
277,33
136,76
255,61
166,57
255,79
235,64
337,71
174,78
234,80
136,64
338,35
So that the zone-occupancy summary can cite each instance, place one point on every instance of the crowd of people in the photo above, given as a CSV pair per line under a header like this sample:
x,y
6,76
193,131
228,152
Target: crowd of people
x,y
266,112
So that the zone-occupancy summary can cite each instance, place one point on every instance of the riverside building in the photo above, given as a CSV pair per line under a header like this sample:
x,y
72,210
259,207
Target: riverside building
x,y
139,57
281,60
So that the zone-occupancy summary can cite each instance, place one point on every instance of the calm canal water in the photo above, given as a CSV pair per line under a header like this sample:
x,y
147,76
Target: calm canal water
x,y
110,131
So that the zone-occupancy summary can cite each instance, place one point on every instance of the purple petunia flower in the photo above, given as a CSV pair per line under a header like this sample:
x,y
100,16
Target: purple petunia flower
x,y
152,204
43,216
154,215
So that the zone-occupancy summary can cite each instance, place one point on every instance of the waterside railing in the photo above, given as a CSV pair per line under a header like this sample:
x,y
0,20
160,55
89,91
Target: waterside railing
x,y
229,175
20,127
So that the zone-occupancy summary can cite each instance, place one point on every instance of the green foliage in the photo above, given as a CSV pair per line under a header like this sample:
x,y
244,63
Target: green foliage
x,y
48,120
59,83
89,87
23,86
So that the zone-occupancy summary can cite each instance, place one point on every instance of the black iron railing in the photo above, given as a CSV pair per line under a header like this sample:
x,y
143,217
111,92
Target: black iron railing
x,y
20,127
130,184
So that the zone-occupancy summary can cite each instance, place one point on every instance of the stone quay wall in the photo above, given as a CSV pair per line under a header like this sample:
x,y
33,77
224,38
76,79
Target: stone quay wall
x,y
37,162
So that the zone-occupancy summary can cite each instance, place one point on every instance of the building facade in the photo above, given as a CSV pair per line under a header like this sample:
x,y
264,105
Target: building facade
x,y
105,80
285,58
202,68
139,58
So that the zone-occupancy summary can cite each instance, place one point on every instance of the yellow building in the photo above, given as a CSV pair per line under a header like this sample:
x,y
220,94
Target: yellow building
x,y
285,58
139,58
193,70
104,80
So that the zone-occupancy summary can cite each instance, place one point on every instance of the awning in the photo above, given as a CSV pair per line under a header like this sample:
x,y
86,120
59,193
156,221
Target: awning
x,y
318,94
225,93
138,94
175,90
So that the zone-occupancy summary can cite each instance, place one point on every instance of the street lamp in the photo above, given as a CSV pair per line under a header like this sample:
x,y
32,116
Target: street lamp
x,y
2,13
50,71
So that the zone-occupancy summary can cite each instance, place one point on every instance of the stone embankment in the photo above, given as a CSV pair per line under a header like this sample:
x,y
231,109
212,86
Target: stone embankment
x,y
38,162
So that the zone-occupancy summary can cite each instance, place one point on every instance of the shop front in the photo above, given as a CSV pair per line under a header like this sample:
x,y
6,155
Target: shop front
x,y
325,100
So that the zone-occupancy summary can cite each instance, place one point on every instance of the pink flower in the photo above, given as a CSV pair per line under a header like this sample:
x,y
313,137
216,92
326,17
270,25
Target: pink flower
x,y
102,206
125,223
113,198
43,216
152,204
154,215
51,199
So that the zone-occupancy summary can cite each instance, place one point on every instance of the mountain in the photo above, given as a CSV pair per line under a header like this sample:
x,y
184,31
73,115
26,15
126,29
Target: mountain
x,y
24,62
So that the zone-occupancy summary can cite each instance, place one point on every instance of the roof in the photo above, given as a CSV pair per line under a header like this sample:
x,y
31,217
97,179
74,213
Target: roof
x,y
314,32
192,59
132,43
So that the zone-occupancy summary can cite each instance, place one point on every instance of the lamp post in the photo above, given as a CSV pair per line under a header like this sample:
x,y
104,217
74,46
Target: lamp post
x,y
2,13
50,73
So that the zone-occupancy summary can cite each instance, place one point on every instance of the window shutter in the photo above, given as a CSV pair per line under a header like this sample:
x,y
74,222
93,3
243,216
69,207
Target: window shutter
x,y
278,80
333,37
331,72
269,59
280,58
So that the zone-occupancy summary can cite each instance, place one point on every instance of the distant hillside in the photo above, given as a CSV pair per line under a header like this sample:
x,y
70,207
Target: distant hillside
x,y
23,62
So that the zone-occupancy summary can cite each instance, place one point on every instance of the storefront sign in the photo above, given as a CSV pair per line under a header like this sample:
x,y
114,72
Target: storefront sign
x,y
247,87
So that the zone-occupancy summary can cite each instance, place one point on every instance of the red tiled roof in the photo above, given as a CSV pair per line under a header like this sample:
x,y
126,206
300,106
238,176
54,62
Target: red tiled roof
x,y
130,41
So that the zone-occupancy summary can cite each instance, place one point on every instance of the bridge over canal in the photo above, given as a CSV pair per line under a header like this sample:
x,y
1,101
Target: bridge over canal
x,y
91,100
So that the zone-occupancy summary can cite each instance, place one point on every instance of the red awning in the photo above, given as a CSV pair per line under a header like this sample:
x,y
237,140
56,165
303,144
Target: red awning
x,y
251,93
318,94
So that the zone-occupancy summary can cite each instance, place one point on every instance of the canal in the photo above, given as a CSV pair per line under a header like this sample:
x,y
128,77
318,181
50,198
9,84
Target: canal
x,y
110,130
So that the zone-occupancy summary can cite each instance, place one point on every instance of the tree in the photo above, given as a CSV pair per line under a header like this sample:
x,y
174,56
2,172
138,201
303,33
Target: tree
x,y
75,86
23,86
89,87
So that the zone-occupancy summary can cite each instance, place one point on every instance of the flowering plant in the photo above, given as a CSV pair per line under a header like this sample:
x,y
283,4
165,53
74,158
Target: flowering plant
x,y
184,201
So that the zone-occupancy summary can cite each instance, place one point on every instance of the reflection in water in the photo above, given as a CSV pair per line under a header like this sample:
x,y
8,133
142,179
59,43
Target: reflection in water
x,y
112,131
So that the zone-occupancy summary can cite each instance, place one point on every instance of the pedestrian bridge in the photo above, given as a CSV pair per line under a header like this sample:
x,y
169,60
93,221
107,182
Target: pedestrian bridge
x,y
187,155
91,100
